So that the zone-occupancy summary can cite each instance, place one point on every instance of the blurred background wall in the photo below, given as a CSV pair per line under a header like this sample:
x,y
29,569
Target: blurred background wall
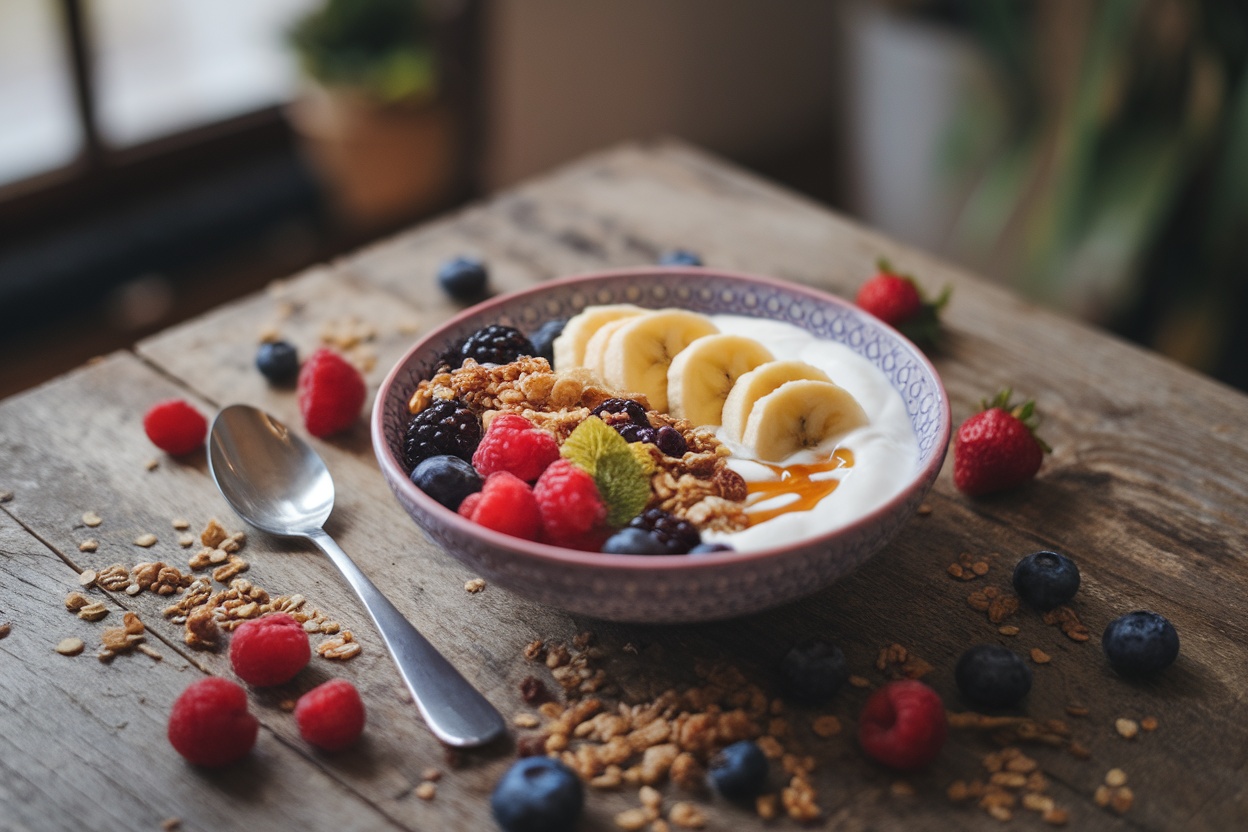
x,y
158,157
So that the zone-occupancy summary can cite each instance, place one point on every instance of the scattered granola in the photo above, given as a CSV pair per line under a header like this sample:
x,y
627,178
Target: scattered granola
x,y
896,662
89,545
5,629
426,790
1128,729
1068,621
147,541
1149,723
181,524
1114,793
71,646
969,567
1039,656
5,496
474,586
152,464
92,519
87,577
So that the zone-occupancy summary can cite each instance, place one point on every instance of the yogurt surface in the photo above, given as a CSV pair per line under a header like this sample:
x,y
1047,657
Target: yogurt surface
x,y
885,450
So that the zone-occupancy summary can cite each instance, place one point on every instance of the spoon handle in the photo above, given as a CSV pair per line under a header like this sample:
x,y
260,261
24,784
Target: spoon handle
x,y
455,711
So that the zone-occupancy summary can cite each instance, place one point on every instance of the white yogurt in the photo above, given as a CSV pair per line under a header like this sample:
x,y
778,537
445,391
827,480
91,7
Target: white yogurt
x,y
885,450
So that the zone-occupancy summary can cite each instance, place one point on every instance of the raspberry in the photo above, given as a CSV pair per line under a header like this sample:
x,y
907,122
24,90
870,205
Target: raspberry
x,y
568,501
209,724
677,536
331,393
445,428
505,504
270,650
331,716
512,444
903,725
175,427
496,344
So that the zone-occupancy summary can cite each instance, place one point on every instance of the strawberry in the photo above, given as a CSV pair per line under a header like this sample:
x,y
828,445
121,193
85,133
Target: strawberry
x,y
997,448
896,300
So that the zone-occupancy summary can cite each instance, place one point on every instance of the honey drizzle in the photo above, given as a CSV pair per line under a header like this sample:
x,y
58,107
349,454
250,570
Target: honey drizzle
x,y
796,479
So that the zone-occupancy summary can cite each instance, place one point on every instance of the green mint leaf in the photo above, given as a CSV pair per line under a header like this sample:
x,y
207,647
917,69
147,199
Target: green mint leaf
x,y
624,487
589,442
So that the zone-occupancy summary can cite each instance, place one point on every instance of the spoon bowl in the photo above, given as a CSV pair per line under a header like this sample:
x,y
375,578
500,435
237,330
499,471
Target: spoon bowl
x,y
278,483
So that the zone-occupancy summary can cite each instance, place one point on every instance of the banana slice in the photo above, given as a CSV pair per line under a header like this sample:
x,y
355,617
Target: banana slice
x,y
639,352
702,373
569,347
799,415
596,348
757,383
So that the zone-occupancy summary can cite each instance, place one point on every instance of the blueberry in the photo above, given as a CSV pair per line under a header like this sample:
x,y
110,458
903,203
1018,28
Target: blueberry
x,y
463,278
671,442
1046,579
708,548
637,433
680,257
633,541
447,479
813,671
738,771
991,675
544,338
278,361
1140,643
537,794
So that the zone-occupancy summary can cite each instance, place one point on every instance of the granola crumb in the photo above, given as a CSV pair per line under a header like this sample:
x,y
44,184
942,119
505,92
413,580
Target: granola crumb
x,y
5,629
1149,723
826,726
631,820
525,720
900,788
687,816
87,577
171,824
150,652
92,519
474,586
5,496
147,541
1008,630
71,646
181,523
1077,710
152,464
1128,729
426,790
1039,656
1115,777
431,774
1121,800
89,545
767,806
1055,817
924,509
859,682
534,650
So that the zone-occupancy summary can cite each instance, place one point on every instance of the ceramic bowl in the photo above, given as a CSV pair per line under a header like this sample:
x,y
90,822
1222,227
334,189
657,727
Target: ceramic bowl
x,y
670,589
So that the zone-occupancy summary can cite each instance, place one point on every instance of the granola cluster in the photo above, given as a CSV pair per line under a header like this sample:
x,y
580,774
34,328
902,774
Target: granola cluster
x,y
698,487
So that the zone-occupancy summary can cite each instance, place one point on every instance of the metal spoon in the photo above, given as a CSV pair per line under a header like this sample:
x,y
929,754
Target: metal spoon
x,y
279,484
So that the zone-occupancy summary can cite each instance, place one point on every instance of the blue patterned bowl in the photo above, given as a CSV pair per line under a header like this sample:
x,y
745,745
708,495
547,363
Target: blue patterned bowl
x,y
670,589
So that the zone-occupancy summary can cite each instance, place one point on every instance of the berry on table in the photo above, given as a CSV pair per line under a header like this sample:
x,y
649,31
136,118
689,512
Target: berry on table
x,y
738,771
677,536
505,504
543,339
175,427
447,479
270,650
902,725
1046,580
496,344
992,675
331,393
331,715
1140,643
278,361
813,671
445,427
537,794
511,443
997,448
568,502
896,300
463,278
632,541
210,725
680,257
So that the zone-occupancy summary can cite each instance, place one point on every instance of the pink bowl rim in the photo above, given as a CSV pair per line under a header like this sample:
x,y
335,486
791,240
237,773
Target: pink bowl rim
x,y
557,555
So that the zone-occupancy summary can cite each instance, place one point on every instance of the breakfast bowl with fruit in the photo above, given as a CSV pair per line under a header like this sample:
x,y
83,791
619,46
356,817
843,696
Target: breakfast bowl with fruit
x,y
662,444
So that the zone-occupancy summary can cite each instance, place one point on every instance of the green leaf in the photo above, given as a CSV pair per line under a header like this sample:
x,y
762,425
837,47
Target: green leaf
x,y
592,440
617,468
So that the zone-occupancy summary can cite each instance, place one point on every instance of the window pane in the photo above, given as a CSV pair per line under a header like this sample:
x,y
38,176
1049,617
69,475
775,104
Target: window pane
x,y
38,127
167,65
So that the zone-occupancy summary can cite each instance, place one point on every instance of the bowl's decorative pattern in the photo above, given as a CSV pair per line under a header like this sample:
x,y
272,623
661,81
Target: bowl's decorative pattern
x,y
671,589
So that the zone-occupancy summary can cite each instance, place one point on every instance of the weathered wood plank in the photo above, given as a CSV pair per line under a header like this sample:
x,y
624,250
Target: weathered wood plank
x,y
1145,489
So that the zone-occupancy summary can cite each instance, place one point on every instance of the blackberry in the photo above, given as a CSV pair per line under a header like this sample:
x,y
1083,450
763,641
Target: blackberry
x,y
635,411
496,344
992,675
1046,580
636,433
813,671
671,442
543,339
739,771
278,361
463,278
677,536
445,427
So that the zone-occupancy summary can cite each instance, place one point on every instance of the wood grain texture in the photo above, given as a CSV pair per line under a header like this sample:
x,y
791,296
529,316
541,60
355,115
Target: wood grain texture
x,y
1145,488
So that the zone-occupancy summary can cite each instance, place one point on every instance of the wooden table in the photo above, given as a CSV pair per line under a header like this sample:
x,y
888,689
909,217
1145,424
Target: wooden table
x,y
1146,488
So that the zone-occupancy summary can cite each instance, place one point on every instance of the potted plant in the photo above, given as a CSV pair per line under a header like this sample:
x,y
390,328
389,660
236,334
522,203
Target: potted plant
x,y
370,116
